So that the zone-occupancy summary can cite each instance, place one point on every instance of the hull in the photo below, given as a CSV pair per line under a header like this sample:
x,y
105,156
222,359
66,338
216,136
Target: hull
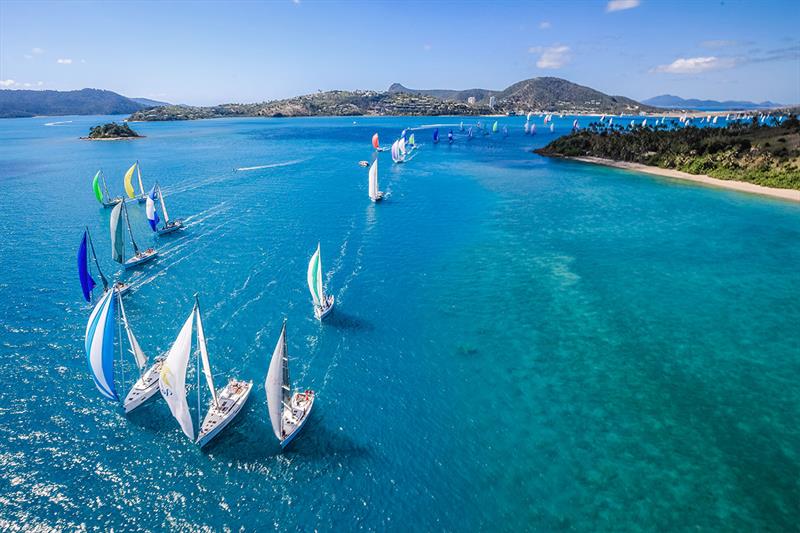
x,y
174,225
121,287
230,404
140,259
142,199
320,312
112,202
378,197
145,388
302,422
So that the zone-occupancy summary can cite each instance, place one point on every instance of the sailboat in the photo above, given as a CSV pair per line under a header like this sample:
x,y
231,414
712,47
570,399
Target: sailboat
x,y
533,129
118,240
288,411
323,305
575,125
87,282
376,144
374,194
152,214
461,126
469,133
450,137
494,127
527,127
552,127
99,344
104,199
411,142
397,157
129,186
225,404
436,136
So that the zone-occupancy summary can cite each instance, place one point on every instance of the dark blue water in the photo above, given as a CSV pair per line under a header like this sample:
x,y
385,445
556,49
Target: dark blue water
x,y
518,343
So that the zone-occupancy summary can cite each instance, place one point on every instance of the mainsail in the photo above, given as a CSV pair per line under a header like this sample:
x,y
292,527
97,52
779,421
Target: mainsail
x,y
172,379
396,157
87,283
314,275
99,345
135,349
401,146
375,143
117,239
277,384
373,180
201,342
96,186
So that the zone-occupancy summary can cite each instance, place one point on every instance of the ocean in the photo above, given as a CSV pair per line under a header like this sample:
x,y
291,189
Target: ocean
x,y
518,343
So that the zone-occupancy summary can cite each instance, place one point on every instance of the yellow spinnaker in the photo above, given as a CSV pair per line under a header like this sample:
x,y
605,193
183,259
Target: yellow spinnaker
x,y
128,184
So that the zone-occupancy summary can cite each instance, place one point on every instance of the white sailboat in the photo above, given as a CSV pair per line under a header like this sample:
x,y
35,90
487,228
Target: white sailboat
x,y
129,186
323,305
99,343
225,404
169,225
288,411
397,157
118,240
374,194
147,384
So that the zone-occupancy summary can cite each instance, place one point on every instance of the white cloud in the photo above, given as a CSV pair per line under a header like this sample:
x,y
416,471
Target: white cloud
x,y
555,56
7,83
64,61
619,5
39,83
544,25
694,65
37,51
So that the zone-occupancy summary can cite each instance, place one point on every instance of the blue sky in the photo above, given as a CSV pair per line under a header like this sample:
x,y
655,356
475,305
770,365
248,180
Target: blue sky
x,y
213,52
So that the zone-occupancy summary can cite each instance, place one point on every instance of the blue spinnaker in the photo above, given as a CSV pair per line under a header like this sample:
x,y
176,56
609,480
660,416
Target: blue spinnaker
x,y
87,283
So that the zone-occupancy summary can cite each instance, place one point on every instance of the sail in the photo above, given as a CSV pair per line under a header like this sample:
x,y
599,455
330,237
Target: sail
x,y
277,384
87,283
461,126
314,275
130,230
150,210
96,263
401,146
469,134
135,349
100,346
528,118
527,127
533,129
117,239
128,184
373,179
172,379
163,205
375,143
494,127
96,186
201,342
139,175
436,135
411,140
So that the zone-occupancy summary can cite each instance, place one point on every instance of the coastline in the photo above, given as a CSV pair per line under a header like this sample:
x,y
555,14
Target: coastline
x,y
111,138
741,186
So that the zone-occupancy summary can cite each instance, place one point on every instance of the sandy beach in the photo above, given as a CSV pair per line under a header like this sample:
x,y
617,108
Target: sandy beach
x,y
786,194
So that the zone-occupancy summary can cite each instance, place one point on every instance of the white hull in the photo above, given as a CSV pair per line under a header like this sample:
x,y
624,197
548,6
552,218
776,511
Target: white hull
x,y
295,418
145,388
143,257
322,312
112,202
174,225
378,197
229,402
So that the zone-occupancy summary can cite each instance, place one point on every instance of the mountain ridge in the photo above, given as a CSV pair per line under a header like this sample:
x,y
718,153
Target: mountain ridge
x,y
671,101
18,103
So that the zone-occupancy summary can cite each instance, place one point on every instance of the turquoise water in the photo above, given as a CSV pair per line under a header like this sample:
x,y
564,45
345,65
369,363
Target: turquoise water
x,y
518,343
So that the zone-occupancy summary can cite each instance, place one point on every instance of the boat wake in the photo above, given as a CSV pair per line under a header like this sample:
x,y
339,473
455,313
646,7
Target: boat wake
x,y
272,165
59,123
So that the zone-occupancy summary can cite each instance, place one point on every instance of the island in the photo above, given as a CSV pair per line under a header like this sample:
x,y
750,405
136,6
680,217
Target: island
x,y
752,156
112,132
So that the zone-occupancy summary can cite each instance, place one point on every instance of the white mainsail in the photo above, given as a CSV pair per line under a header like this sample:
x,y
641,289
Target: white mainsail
x,y
277,384
402,146
373,180
314,275
396,157
135,349
139,175
172,379
201,343
163,205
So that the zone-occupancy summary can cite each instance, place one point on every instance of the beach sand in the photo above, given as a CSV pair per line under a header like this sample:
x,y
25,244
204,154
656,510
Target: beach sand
x,y
786,194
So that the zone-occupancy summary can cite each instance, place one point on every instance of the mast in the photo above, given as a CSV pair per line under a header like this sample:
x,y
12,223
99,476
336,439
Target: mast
x,y
163,205
119,336
139,175
105,187
197,371
130,231
94,256
286,384
201,346
135,349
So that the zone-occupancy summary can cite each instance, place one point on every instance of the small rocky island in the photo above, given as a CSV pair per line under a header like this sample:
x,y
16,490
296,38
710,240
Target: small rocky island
x,y
112,131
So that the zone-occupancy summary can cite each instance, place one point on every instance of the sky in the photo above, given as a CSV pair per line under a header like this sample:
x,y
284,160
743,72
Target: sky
x,y
211,52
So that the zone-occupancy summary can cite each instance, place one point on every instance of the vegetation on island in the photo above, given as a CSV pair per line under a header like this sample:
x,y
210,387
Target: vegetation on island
x,y
537,94
754,152
112,130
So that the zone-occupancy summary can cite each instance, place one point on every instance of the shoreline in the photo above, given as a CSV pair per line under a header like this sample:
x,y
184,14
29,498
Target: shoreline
x,y
111,138
740,186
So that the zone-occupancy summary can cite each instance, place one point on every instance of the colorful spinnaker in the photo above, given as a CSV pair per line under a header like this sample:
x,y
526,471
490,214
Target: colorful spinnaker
x,y
494,127
99,343
436,135
375,143
150,209
96,186
87,283
129,177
